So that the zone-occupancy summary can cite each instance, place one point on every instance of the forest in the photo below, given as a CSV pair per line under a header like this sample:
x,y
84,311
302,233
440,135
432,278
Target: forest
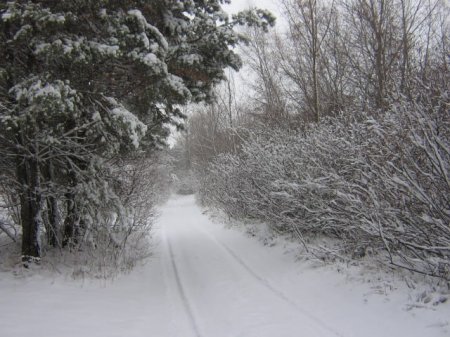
x,y
340,130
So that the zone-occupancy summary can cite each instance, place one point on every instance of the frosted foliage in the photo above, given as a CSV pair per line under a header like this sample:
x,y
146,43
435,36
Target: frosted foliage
x,y
32,11
191,59
44,99
37,90
380,184
134,127
150,59
144,25
105,49
176,83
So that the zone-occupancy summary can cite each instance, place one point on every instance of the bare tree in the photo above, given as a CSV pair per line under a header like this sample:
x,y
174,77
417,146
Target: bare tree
x,y
309,25
373,48
263,61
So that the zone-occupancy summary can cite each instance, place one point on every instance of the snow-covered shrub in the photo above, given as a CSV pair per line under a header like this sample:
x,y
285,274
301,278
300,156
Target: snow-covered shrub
x,y
117,236
379,181
410,161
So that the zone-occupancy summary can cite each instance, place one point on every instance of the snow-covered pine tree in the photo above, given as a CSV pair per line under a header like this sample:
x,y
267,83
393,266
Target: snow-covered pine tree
x,y
83,82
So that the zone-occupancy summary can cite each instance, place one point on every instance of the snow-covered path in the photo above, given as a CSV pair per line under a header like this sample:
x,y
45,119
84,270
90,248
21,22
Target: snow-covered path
x,y
220,294
207,281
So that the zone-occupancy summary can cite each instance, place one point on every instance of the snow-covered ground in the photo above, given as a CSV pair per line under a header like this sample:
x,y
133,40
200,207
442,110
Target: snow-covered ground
x,y
206,280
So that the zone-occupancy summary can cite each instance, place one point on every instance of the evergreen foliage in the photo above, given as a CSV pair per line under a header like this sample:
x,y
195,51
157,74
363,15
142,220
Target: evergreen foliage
x,y
84,83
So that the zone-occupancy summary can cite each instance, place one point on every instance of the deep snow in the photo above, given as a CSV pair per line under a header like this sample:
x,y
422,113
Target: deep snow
x,y
206,280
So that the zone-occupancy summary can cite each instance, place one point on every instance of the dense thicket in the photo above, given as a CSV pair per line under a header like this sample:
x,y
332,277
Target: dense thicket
x,y
373,183
87,89
346,134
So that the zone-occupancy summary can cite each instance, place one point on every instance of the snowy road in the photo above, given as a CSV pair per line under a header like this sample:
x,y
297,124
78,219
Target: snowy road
x,y
222,283
208,281
221,294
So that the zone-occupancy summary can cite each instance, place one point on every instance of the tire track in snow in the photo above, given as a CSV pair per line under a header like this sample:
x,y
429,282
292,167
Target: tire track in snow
x,y
182,292
268,286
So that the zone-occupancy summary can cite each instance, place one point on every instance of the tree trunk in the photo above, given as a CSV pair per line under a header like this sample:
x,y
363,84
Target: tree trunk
x,y
315,90
405,65
30,208
53,223
70,222
380,69
73,223
314,55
